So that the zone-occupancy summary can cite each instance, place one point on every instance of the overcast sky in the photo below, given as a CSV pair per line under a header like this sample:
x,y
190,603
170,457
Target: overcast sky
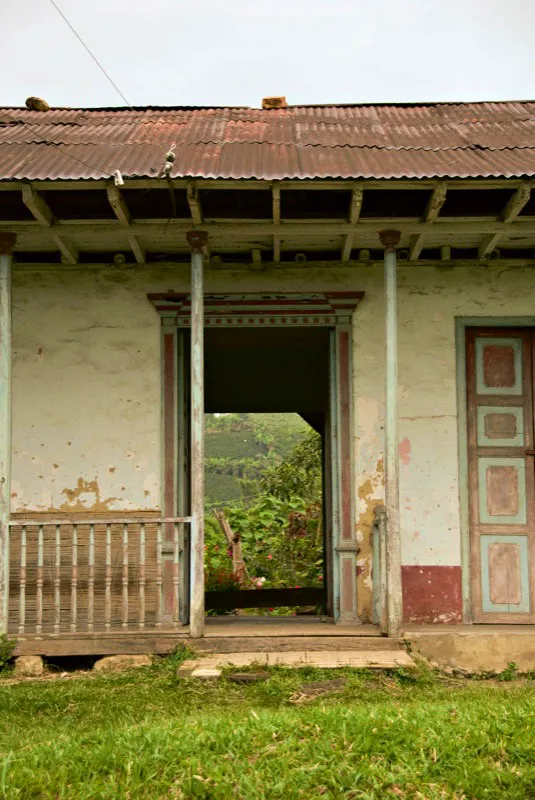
x,y
234,52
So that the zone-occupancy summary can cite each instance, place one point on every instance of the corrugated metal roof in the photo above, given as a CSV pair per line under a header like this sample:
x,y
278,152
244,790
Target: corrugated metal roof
x,y
363,141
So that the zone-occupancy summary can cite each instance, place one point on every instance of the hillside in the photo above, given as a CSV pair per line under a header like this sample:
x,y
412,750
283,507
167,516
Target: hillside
x,y
237,445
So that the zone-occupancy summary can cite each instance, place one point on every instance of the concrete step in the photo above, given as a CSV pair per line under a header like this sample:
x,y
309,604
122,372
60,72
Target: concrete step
x,y
357,659
284,644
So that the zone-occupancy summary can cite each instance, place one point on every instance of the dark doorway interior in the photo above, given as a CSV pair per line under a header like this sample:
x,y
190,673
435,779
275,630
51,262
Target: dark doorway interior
x,y
267,370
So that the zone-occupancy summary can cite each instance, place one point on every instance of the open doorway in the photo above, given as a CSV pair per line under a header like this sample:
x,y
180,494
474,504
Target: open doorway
x,y
267,542
264,524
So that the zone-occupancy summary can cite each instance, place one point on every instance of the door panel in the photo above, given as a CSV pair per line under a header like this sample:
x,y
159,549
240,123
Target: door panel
x,y
501,473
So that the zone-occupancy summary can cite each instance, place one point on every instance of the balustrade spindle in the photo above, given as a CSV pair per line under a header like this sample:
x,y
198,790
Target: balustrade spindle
x,y
91,579
159,577
22,581
74,579
125,576
175,573
39,582
141,621
107,579
57,582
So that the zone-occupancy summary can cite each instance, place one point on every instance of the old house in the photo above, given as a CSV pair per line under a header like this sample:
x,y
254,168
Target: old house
x,y
370,267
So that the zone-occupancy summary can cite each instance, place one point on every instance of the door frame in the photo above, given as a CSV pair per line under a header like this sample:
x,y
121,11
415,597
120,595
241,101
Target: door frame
x,y
461,325
326,309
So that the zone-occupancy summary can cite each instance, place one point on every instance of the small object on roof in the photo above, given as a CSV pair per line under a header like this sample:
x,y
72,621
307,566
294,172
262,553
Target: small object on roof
x,y
37,104
118,178
274,102
168,164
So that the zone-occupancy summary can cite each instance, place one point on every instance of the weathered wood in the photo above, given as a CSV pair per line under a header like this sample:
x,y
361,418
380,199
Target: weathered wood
x,y
276,206
194,204
118,204
7,243
416,246
488,244
22,581
282,644
68,252
138,251
436,201
517,202
234,543
37,205
256,257
264,598
353,216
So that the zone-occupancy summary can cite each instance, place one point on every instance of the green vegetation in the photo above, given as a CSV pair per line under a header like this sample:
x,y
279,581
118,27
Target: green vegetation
x,y
280,525
6,650
149,735
238,446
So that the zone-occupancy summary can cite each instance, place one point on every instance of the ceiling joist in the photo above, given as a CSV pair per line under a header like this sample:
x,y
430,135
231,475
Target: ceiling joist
x,y
416,245
355,208
117,202
38,207
276,206
194,204
138,251
517,202
436,201
69,254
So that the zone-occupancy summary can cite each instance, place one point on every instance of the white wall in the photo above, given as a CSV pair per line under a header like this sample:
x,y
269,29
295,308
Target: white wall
x,y
86,409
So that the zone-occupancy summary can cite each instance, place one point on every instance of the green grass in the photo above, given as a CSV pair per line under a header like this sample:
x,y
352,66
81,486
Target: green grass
x,y
148,734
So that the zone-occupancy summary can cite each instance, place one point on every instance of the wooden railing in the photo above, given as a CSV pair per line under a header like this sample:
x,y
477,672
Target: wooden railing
x,y
89,575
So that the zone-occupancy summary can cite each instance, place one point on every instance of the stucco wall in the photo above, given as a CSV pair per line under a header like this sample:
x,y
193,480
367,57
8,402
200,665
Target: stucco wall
x,y
86,411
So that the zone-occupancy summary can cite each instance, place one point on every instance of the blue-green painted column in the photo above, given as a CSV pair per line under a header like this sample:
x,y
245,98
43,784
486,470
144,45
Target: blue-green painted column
x,y
7,242
197,240
389,240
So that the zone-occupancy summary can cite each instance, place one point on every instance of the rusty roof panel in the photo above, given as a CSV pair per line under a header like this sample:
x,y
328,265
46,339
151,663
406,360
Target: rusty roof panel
x,y
454,140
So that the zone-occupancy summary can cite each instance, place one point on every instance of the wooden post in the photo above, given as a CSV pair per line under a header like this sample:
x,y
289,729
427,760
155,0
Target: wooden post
x,y
197,240
7,242
389,240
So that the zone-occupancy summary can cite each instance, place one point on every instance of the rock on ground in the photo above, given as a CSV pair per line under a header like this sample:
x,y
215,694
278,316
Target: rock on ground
x,y
119,663
29,666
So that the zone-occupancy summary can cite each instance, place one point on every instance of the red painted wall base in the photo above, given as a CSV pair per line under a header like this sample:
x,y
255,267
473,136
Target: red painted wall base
x,y
431,594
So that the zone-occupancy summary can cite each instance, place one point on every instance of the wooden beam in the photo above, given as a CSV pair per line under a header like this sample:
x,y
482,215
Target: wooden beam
x,y
68,252
256,257
194,204
39,208
436,201
137,250
276,203
517,202
445,252
117,202
416,246
488,243
354,214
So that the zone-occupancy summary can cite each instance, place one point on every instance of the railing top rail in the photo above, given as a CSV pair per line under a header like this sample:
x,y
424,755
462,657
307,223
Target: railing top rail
x,y
17,523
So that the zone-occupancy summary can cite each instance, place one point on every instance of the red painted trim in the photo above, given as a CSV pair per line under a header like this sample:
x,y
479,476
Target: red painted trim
x,y
169,412
432,594
345,433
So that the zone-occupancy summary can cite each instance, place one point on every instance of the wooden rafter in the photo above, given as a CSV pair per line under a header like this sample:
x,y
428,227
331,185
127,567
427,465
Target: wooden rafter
x,y
37,205
68,252
354,214
436,201
138,251
416,245
276,202
118,204
256,257
517,202
488,244
194,204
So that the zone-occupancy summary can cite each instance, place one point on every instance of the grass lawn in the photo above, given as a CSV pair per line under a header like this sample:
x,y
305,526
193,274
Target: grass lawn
x,y
149,734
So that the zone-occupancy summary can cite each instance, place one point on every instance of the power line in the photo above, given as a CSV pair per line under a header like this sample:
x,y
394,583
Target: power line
x,y
93,56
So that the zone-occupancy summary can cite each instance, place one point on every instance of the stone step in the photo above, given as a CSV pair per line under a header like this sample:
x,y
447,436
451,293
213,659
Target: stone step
x,y
283,644
357,659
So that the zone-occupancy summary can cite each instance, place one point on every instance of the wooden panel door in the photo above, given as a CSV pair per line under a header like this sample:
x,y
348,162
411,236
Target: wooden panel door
x,y
501,473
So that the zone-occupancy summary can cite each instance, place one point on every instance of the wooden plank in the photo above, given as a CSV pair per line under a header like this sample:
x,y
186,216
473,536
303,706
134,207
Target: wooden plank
x,y
416,246
256,257
118,204
194,204
39,208
517,202
69,253
7,243
436,201
488,244
276,206
354,214
100,644
138,251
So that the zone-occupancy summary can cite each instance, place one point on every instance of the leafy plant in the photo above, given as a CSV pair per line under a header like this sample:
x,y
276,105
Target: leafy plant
x,y
7,646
